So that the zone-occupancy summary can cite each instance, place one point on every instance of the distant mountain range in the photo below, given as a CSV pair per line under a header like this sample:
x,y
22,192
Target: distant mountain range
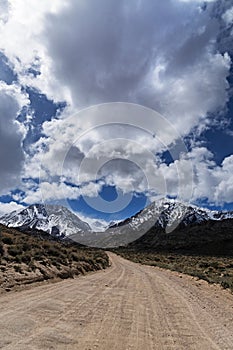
x,y
169,213
54,219
163,215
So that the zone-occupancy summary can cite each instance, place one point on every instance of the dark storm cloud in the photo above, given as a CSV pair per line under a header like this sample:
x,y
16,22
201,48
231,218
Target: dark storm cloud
x,y
4,10
194,47
107,50
11,153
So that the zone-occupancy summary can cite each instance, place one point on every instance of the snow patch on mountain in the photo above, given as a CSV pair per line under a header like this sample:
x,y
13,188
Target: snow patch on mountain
x,y
169,213
54,219
59,221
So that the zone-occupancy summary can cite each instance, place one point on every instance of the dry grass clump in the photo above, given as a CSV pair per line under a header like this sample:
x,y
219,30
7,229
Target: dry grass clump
x,y
27,258
214,269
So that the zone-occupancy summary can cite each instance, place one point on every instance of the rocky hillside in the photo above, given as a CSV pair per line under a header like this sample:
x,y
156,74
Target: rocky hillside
x,y
37,256
208,237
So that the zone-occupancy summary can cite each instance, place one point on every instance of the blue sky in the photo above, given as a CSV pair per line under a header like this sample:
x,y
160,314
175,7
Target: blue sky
x,y
58,61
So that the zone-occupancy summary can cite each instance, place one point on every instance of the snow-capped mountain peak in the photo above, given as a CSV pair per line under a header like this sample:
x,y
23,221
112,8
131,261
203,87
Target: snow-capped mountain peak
x,y
54,219
165,214
169,213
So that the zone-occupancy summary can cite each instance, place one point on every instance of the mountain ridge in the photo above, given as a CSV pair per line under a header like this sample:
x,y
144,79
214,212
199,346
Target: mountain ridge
x,y
165,214
54,219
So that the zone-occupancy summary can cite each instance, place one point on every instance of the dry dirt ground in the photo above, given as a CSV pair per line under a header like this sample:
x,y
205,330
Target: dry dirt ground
x,y
128,306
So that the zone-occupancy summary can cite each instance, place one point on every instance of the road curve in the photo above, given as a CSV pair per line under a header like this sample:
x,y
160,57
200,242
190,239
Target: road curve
x,y
128,306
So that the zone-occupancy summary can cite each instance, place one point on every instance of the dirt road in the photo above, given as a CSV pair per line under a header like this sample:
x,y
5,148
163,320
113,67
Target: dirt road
x,y
128,306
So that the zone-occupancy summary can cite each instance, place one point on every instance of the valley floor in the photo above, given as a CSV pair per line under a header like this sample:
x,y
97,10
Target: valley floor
x,y
128,306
